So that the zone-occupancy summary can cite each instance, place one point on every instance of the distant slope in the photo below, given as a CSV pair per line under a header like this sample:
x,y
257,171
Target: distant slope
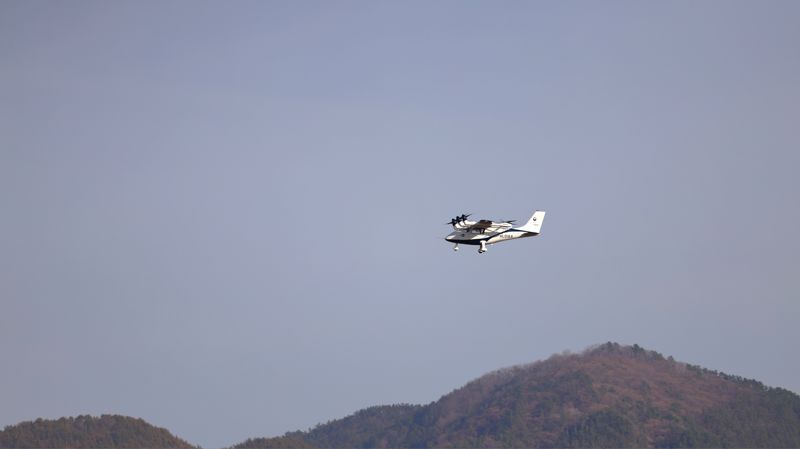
x,y
284,442
107,431
609,396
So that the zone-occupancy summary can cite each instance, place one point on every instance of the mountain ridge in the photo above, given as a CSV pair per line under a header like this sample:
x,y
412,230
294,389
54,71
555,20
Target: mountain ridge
x,y
608,395
86,431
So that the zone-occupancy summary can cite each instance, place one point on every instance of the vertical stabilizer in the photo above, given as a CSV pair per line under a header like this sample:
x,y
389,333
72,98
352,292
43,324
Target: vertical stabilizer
x,y
535,223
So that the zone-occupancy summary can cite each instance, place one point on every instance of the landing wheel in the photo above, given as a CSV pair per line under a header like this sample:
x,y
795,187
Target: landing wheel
x,y
455,248
482,249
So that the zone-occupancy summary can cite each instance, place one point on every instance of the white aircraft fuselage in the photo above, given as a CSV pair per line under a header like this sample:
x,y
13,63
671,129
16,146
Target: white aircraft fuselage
x,y
487,232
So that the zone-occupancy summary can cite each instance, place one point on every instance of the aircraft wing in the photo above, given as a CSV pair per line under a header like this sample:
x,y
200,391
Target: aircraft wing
x,y
482,226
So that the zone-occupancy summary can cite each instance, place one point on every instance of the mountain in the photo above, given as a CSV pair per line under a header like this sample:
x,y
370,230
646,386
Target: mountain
x,y
107,431
607,396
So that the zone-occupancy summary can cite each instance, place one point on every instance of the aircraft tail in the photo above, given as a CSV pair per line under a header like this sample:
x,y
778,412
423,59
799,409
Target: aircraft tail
x,y
535,223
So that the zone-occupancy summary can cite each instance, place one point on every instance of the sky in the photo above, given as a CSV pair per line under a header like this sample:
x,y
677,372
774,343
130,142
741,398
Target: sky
x,y
228,218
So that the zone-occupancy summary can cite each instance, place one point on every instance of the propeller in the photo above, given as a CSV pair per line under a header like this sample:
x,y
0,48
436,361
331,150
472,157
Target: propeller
x,y
458,219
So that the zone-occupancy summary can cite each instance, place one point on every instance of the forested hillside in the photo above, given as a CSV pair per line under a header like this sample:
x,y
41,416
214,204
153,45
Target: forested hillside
x,y
609,396
107,431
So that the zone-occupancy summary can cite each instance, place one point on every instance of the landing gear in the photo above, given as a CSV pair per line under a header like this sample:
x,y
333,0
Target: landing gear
x,y
482,249
455,248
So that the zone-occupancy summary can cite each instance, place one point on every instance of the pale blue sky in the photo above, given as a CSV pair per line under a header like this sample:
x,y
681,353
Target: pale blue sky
x,y
227,219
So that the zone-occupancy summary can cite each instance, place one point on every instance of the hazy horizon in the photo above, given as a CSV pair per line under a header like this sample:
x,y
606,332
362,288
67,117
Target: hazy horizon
x,y
229,221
